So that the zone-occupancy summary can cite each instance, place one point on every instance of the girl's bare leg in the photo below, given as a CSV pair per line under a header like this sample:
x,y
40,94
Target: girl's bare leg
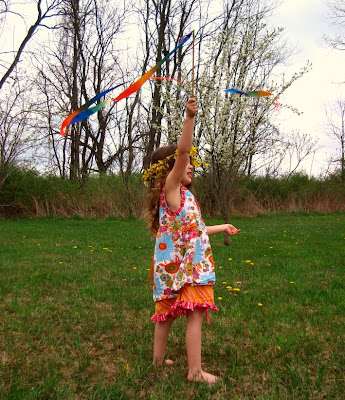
x,y
160,341
193,344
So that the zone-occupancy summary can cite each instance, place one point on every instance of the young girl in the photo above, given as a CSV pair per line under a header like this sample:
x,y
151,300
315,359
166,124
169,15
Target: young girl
x,y
182,265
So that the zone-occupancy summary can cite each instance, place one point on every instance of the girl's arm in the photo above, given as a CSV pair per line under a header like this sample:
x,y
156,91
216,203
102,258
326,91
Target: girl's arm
x,y
173,181
225,228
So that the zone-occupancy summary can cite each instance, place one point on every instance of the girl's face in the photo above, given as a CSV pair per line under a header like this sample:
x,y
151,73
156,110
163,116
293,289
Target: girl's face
x,y
188,175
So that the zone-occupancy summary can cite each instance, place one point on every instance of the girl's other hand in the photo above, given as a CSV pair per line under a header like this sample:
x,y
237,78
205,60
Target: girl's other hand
x,y
231,230
191,108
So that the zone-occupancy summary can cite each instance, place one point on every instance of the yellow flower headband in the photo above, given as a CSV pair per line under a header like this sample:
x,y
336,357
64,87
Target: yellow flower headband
x,y
157,170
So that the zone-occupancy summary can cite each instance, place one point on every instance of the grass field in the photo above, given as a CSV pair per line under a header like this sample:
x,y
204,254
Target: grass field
x,y
75,312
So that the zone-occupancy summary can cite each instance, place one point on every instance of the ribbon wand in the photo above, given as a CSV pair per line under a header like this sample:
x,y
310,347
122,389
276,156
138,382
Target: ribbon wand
x,y
85,110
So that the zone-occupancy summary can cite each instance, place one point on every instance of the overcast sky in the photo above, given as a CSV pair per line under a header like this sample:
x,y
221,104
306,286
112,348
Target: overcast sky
x,y
305,23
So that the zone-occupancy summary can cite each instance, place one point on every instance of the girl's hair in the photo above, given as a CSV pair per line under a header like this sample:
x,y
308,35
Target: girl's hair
x,y
156,185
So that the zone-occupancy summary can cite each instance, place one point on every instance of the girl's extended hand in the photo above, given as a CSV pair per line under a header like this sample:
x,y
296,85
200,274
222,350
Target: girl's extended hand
x,y
231,230
191,108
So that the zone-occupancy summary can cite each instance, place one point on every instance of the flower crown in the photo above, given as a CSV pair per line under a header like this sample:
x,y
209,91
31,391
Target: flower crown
x,y
158,169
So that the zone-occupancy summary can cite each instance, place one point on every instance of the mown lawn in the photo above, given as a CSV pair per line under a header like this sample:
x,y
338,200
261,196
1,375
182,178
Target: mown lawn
x,y
75,312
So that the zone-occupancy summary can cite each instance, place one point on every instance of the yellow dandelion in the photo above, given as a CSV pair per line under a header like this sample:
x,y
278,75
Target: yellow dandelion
x,y
260,304
75,247
238,282
292,282
224,283
229,259
220,267
236,289
229,287
60,262
134,267
248,261
245,291
220,298
251,263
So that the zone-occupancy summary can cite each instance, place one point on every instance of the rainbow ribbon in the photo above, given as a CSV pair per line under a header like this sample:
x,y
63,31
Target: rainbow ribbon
x,y
85,110
255,93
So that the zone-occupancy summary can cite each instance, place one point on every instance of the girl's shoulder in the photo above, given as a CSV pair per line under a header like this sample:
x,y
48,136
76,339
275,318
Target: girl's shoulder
x,y
165,206
187,199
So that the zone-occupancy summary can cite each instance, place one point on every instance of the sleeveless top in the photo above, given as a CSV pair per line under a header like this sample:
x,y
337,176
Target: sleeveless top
x,y
182,253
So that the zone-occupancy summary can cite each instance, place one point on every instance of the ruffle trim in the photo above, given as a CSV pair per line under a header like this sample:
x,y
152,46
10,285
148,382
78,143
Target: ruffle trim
x,y
165,205
180,307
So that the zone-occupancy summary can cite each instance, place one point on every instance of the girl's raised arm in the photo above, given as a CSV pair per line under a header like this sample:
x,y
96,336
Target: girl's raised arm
x,y
172,184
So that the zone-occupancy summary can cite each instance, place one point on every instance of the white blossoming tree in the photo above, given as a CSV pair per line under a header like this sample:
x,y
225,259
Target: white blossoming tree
x,y
236,133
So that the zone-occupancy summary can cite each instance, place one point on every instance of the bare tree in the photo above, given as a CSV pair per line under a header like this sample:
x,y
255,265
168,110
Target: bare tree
x,y
14,134
337,18
297,146
50,10
84,63
16,108
163,24
336,130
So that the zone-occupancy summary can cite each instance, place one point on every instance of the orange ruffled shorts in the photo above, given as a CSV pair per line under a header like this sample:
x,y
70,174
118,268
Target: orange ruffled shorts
x,y
188,298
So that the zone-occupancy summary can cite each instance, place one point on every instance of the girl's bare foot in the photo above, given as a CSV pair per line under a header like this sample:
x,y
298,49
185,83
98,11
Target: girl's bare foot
x,y
202,376
159,363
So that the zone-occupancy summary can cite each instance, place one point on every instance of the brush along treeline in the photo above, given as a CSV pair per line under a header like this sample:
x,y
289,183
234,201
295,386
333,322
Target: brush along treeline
x,y
27,193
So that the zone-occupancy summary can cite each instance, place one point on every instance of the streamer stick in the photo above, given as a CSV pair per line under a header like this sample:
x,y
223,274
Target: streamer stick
x,y
193,66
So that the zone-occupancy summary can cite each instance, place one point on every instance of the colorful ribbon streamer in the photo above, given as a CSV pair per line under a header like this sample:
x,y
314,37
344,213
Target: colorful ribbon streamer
x,y
85,111
255,93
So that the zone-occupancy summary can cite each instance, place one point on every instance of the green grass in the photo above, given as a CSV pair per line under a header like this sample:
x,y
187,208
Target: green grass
x,y
75,312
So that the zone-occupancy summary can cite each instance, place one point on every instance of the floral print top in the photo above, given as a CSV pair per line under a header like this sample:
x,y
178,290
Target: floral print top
x,y
182,251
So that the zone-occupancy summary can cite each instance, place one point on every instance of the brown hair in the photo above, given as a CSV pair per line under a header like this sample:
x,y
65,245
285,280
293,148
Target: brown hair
x,y
156,185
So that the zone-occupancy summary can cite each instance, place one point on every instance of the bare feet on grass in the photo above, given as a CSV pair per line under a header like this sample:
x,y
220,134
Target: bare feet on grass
x,y
202,376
